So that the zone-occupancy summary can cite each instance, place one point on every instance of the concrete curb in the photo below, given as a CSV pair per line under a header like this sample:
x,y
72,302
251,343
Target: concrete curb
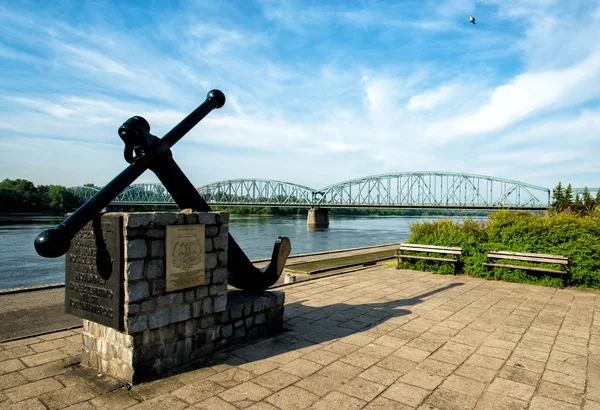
x,y
40,334
31,288
331,252
365,263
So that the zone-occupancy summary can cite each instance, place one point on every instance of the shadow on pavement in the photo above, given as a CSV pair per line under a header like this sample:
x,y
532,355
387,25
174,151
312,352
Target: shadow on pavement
x,y
307,326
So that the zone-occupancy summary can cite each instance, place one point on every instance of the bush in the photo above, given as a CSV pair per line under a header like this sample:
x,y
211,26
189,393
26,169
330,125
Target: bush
x,y
468,234
568,234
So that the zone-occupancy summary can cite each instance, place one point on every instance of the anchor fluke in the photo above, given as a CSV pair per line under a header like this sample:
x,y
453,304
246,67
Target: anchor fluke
x,y
244,275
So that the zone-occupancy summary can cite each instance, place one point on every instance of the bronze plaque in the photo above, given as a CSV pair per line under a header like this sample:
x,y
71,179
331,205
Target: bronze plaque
x,y
185,257
94,272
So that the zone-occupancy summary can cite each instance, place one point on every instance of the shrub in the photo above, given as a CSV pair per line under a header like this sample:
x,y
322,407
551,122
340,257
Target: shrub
x,y
566,233
468,234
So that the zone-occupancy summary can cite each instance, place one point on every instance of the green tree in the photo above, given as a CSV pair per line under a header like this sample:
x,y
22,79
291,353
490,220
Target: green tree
x,y
568,196
43,195
60,199
558,197
19,194
585,195
577,200
8,200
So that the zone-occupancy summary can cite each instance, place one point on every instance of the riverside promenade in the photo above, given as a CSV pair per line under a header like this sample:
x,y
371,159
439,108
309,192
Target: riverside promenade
x,y
377,338
30,311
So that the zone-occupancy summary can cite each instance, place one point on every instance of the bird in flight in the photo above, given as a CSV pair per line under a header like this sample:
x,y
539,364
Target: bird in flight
x,y
472,19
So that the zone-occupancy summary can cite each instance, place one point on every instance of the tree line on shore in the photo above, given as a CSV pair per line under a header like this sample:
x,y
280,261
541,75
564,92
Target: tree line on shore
x,y
584,204
20,195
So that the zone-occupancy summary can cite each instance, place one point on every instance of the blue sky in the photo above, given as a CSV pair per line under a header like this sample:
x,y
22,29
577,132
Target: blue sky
x,y
318,92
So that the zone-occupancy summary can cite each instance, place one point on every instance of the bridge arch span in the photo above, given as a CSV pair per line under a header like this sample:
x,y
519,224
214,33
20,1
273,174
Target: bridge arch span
x,y
151,193
145,193
434,189
257,192
83,192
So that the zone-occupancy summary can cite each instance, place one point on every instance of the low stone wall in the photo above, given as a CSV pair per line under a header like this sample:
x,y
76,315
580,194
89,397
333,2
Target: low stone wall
x,y
249,315
166,330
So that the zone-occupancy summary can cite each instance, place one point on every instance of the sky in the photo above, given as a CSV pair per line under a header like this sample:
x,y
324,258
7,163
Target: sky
x,y
318,92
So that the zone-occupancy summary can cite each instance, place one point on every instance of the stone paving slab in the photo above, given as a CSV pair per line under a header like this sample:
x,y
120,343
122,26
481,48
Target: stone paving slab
x,y
374,339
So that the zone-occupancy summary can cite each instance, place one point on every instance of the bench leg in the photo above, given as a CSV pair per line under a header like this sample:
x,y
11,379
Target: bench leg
x,y
487,269
457,265
565,281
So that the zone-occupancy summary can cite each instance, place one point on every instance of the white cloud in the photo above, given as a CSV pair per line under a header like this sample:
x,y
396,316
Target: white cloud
x,y
581,129
217,40
76,118
430,99
94,61
338,146
527,94
56,110
251,132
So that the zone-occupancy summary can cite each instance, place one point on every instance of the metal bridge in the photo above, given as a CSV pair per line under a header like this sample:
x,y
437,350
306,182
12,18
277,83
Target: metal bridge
x,y
579,191
399,190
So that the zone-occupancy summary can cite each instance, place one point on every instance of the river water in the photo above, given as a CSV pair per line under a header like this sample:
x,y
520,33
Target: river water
x,y
20,265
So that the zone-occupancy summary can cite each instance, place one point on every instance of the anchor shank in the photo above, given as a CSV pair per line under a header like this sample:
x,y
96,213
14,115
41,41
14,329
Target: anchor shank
x,y
178,185
185,196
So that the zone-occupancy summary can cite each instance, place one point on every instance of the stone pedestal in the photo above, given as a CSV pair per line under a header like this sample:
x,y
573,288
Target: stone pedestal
x,y
318,217
162,330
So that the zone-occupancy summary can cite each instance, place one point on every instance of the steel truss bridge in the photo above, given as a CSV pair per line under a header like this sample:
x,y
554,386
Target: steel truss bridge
x,y
398,190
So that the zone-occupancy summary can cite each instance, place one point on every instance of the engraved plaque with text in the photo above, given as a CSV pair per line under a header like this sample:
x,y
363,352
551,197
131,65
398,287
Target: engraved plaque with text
x,y
184,257
94,272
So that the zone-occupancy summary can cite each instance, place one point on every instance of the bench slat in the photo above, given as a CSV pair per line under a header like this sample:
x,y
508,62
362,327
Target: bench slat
x,y
416,245
500,265
540,255
432,250
429,258
495,255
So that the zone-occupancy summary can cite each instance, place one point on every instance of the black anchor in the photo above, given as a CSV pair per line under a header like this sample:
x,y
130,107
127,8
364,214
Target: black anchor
x,y
145,151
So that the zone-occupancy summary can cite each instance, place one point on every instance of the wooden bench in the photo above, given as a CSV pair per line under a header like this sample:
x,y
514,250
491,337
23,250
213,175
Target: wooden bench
x,y
425,249
530,257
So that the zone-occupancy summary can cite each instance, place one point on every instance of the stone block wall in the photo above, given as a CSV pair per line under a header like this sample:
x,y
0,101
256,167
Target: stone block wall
x,y
248,316
166,330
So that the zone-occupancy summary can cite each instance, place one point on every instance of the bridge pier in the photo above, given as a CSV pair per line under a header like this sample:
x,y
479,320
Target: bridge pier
x,y
318,217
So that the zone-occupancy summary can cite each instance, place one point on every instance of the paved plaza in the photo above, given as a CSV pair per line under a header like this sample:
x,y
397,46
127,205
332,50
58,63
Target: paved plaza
x,y
378,338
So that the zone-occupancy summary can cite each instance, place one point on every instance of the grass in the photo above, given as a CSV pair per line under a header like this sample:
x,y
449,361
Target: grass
x,y
328,264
